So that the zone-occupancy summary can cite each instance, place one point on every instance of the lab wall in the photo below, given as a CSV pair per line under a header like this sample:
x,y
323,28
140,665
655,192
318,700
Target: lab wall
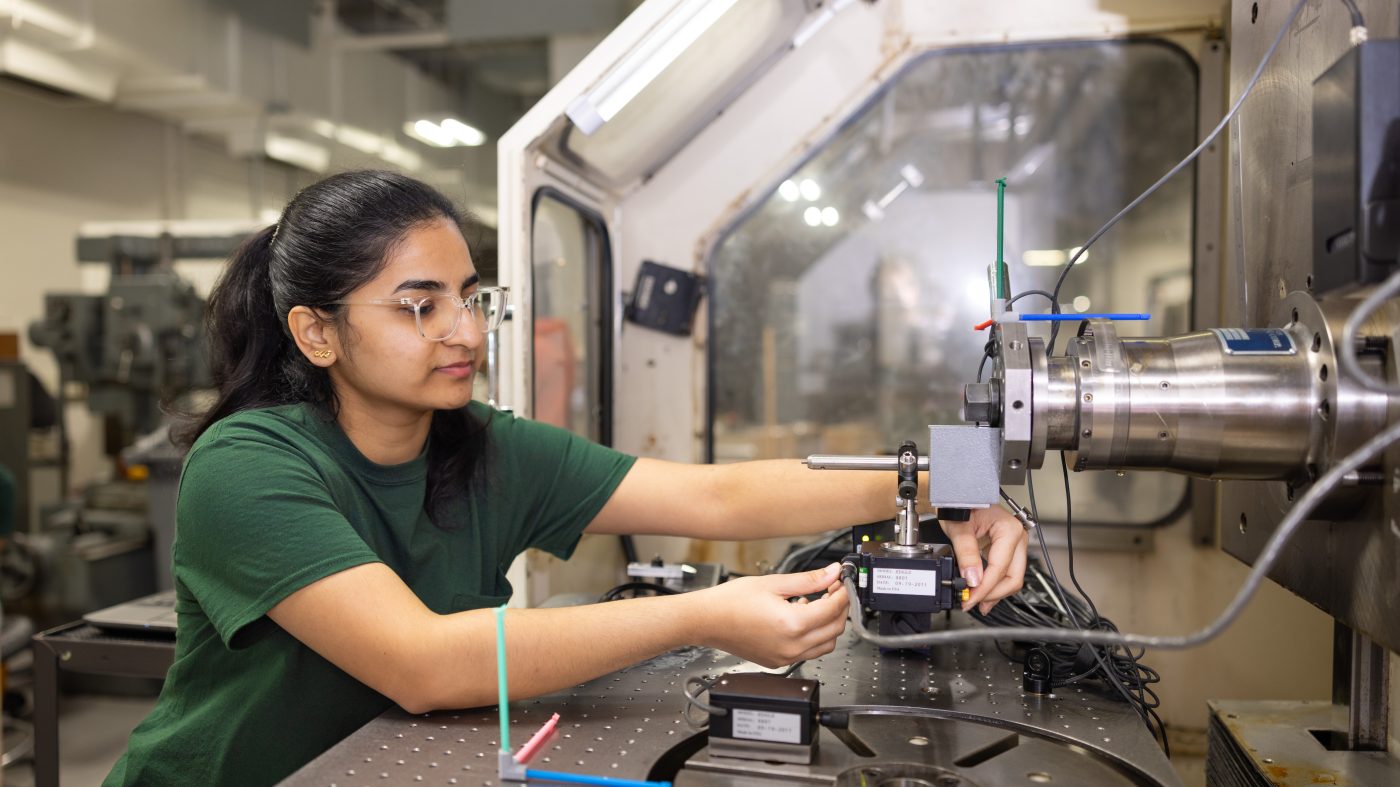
x,y
66,161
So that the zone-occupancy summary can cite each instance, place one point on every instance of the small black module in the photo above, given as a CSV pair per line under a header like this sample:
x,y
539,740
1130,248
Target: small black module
x,y
767,717
665,298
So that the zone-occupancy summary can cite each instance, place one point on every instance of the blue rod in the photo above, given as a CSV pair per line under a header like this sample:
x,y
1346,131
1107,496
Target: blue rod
x,y
578,778
1069,317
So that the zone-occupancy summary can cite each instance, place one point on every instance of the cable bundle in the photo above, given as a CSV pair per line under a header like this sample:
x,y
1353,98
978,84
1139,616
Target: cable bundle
x,y
1039,604
1044,602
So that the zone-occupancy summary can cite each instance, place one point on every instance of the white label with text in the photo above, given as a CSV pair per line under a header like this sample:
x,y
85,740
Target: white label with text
x,y
759,725
906,581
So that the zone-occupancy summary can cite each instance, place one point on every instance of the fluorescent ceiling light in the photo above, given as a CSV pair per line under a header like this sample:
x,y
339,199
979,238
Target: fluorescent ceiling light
x,y
1051,258
428,132
463,133
50,69
298,153
1044,258
643,64
450,133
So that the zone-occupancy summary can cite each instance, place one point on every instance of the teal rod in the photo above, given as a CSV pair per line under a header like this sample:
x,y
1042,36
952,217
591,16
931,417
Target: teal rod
x,y
1001,214
503,708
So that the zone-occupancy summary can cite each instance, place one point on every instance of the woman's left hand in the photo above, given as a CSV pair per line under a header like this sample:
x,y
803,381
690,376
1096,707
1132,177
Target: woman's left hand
x,y
1006,555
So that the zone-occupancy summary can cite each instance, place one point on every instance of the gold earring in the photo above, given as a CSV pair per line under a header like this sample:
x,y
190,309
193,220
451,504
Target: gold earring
x,y
322,353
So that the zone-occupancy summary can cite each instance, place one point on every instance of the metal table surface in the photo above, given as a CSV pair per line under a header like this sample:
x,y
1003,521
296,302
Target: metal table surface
x,y
1276,742
957,717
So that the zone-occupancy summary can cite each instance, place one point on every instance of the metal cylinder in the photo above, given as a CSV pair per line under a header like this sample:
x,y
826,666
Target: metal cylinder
x,y
838,462
1057,404
1183,403
1223,404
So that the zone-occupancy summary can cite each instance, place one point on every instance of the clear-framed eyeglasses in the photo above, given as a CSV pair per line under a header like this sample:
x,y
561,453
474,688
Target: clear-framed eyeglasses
x,y
438,316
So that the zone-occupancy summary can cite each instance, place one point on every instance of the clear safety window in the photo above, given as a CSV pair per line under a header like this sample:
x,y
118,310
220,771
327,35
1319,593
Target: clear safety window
x,y
572,313
842,306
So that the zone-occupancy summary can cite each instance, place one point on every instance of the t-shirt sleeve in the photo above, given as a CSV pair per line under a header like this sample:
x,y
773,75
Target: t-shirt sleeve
x,y
566,480
255,522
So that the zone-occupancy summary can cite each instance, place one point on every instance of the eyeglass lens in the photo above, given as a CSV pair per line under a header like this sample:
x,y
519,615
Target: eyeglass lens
x,y
438,315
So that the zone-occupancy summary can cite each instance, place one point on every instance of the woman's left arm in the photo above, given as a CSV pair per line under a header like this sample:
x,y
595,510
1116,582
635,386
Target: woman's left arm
x,y
783,497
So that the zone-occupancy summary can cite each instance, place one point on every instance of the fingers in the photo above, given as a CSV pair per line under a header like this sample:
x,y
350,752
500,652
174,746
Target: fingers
x,y
965,547
818,650
1008,539
803,583
803,627
1012,581
823,640
824,611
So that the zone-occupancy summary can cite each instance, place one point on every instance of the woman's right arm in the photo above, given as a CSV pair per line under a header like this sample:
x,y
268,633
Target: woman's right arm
x,y
366,621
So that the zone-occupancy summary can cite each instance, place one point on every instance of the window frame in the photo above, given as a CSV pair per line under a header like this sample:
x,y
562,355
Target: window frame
x,y
603,291
1183,505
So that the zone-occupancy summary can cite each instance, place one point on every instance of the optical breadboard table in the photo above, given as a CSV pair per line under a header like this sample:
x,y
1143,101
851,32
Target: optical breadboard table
x,y
956,717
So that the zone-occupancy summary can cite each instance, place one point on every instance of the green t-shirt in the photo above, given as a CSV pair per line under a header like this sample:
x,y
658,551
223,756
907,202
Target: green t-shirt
x,y
272,500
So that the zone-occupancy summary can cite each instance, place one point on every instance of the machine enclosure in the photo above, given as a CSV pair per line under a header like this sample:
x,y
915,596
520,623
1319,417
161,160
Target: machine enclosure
x,y
1356,167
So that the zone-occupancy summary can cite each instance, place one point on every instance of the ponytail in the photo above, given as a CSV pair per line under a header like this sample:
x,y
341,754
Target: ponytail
x,y
252,358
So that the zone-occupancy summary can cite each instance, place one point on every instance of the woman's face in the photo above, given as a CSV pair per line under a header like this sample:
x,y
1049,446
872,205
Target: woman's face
x,y
384,362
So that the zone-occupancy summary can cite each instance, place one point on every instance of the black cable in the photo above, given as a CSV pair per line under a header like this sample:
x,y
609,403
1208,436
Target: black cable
x,y
1069,537
987,351
692,700
1020,295
1120,670
1048,604
1356,18
990,346
815,556
629,548
636,587
1134,657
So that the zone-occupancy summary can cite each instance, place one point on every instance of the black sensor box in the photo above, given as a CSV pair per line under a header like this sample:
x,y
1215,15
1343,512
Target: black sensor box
x,y
665,298
764,707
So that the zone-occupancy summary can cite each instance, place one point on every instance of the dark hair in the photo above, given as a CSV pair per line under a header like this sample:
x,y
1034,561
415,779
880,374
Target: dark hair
x,y
333,237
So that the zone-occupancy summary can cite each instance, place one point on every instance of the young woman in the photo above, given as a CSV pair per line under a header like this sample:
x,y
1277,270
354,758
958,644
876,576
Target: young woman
x,y
347,512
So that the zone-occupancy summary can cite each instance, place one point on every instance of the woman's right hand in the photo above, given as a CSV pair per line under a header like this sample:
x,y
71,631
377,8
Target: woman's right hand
x,y
752,618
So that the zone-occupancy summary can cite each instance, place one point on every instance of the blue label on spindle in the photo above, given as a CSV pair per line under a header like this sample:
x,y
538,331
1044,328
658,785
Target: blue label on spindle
x,y
1255,341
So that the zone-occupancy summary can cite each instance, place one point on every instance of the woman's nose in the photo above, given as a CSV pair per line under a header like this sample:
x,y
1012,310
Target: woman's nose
x,y
469,332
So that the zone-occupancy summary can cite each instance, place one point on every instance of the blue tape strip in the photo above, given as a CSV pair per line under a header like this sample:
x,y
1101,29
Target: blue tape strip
x,y
1069,317
578,778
